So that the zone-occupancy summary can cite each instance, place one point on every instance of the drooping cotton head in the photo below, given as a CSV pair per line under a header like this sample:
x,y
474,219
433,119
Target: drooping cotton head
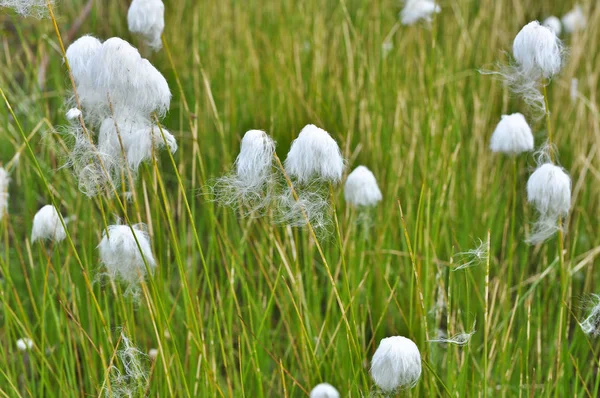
x,y
4,181
253,164
324,390
361,189
24,344
47,225
512,135
553,23
396,364
314,155
121,256
416,10
574,20
549,190
80,55
130,82
147,18
139,137
28,8
538,51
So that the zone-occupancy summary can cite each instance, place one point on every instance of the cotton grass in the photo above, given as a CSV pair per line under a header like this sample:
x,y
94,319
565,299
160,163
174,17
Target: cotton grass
x,y
361,189
4,182
591,324
324,390
417,10
132,378
24,344
574,20
512,135
28,8
47,225
553,23
396,364
147,18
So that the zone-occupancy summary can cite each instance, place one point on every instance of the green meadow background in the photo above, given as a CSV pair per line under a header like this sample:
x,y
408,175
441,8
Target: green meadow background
x,y
239,307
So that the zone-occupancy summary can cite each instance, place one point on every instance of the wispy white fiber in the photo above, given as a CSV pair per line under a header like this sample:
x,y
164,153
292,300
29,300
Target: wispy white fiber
x,y
549,190
80,55
553,23
591,324
324,390
396,364
28,8
73,114
314,155
574,20
47,225
147,18
249,188
133,379
361,189
472,257
4,181
512,135
458,339
24,344
416,10
312,206
121,256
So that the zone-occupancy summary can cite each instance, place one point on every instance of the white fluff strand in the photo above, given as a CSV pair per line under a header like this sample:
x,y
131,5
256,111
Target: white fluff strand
x,y
134,378
591,324
47,225
512,135
147,18
396,364
28,8
121,256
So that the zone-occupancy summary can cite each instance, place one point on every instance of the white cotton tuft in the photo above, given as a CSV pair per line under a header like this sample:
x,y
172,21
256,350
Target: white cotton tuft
x,y
139,136
134,378
553,23
361,189
249,188
416,10
47,225
472,257
324,390
311,206
153,354
24,344
314,154
28,8
549,190
591,324
4,181
121,256
396,364
147,18
574,20
80,55
73,114
538,51
512,135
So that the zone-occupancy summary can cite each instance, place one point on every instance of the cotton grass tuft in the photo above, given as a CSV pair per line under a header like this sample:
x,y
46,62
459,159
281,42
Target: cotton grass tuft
x,y
28,8
574,20
324,390
24,344
147,18
47,225
133,379
591,324
396,364
512,135
121,256
553,23
472,257
416,10
73,114
361,189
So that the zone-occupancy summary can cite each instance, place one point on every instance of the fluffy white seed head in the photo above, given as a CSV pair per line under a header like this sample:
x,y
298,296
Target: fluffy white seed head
x,y
73,114
553,23
549,190
47,225
361,188
396,364
324,390
4,181
80,55
574,20
253,164
147,18
24,344
314,155
416,10
121,256
153,354
538,51
512,135
122,76
139,137
28,8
